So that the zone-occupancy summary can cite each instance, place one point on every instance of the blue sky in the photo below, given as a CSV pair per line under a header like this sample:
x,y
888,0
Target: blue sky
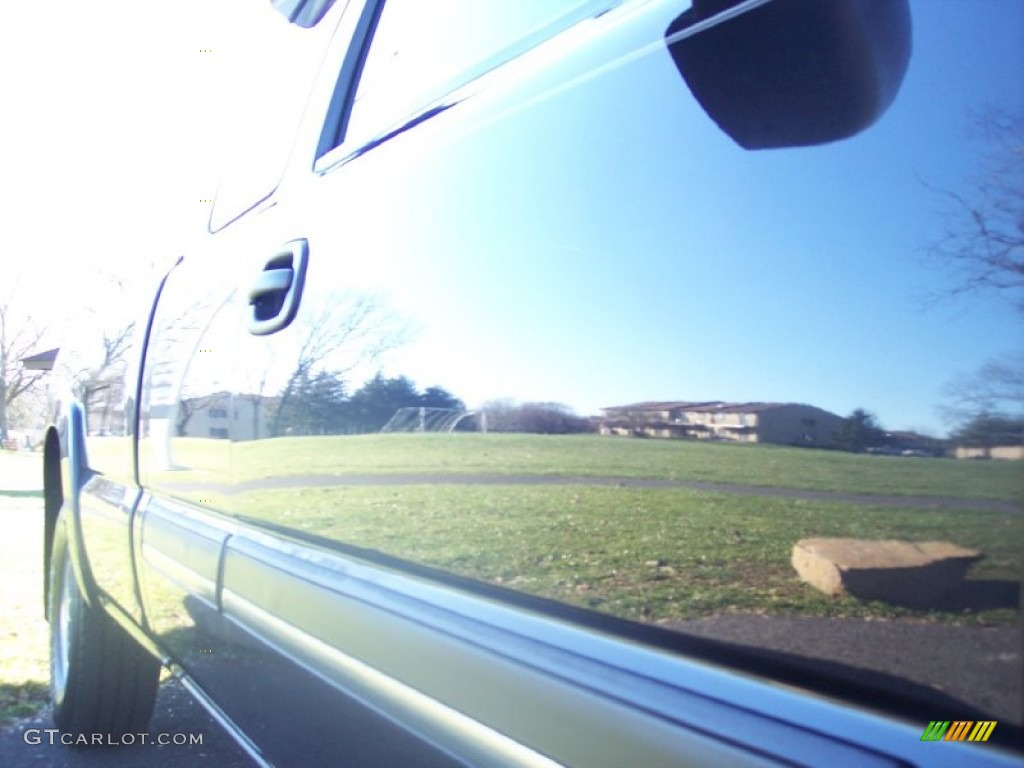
x,y
795,276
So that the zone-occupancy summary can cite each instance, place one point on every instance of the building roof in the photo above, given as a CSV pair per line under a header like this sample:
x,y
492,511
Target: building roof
x,y
43,361
664,405
707,406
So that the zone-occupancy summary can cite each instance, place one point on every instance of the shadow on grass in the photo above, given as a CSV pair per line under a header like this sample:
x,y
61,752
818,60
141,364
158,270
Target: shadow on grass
x,y
982,595
21,701
970,596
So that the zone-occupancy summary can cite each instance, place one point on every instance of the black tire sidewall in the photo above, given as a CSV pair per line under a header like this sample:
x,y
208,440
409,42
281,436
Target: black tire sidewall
x,y
110,681
60,559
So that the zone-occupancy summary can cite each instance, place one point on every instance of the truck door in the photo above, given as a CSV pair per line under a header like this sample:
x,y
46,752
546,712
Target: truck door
x,y
184,454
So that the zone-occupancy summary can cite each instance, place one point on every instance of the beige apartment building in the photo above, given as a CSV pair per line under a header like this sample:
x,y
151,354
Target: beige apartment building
x,y
221,415
1006,452
777,423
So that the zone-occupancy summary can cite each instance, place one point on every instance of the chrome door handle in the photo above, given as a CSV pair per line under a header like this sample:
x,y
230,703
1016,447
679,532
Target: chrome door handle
x,y
275,294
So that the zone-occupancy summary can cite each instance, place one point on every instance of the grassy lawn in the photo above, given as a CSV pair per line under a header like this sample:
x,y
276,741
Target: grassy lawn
x,y
594,456
24,660
646,554
640,553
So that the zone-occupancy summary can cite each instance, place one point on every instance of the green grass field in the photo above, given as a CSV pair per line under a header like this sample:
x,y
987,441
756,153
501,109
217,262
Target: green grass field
x,y
594,456
647,553
24,660
650,554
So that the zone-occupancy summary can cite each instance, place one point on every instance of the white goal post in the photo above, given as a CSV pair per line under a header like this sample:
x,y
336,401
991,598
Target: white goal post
x,y
425,419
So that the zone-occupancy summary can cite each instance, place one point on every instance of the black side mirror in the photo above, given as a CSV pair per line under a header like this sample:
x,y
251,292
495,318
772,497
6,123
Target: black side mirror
x,y
789,73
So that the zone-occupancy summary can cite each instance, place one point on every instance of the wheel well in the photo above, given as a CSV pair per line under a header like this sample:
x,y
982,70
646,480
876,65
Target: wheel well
x,y
53,500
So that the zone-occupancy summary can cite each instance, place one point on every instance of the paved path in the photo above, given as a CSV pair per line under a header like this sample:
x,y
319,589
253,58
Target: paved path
x,y
21,474
983,669
977,668
322,481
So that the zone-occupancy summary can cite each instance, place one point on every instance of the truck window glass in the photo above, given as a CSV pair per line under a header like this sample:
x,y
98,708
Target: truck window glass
x,y
405,69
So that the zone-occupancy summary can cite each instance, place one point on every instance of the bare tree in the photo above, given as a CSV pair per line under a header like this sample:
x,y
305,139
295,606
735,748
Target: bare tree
x,y
255,386
982,245
996,387
537,417
20,337
982,242
344,332
100,388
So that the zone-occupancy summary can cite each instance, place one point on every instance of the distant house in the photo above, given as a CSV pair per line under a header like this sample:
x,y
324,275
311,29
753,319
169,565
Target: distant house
x,y
777,423
906,443
1007,452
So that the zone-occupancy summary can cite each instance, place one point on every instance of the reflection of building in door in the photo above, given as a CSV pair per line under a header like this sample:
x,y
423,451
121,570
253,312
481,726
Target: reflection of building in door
x,y
1010,452
242,417
779,423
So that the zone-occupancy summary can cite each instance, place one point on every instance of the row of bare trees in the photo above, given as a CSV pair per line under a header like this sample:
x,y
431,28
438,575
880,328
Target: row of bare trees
x,y
20,337
982,247
30,325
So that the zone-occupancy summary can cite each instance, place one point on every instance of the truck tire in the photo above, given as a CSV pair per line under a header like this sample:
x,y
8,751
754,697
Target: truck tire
x,y
101,680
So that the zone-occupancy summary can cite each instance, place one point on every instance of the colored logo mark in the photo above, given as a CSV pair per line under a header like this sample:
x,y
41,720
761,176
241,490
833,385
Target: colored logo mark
x,y
958,730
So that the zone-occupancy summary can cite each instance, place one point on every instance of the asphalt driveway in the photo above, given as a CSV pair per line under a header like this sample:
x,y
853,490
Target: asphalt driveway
x,y
178,718
984,666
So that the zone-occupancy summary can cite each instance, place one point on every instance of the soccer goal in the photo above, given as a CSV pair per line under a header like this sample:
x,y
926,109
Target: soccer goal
x,y
423,419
